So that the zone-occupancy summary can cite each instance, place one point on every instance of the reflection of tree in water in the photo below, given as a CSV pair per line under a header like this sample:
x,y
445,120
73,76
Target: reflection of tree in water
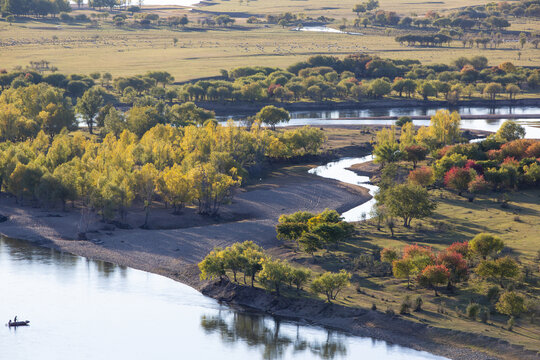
x,y
254,330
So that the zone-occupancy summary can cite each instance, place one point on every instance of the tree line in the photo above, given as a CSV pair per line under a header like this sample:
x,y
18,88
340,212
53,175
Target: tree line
x,y
175,166
250,260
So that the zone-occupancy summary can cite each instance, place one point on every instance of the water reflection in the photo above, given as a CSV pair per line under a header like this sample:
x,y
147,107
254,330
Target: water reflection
x,y
258,332
347,117
98,310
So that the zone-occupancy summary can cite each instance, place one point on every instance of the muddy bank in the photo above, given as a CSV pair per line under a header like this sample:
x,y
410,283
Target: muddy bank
x,y
227,108
367,323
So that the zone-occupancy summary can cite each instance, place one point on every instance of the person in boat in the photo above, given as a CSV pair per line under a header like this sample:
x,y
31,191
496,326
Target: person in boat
x,y
15,320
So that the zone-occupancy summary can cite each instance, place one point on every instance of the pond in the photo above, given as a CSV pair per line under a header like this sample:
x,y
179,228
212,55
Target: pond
x,y
85,309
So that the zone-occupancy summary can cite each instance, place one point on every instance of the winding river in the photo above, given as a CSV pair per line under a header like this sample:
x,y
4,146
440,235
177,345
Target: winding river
x,y
86,309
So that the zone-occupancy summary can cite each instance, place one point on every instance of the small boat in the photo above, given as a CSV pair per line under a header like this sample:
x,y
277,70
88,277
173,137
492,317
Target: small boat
x,y
18,323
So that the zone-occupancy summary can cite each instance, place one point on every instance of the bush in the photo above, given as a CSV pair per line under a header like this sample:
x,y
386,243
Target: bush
x,y
511,304
418,304
65,17
493,294
81,17
511,322
373,307
403,120
472,311
484,315
389,312
406,305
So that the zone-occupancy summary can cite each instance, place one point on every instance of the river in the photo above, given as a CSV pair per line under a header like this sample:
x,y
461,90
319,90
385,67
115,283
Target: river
x,y
85,309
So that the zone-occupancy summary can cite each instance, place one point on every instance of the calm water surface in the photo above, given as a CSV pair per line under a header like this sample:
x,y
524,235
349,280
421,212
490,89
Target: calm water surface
x,y
339,117
85,309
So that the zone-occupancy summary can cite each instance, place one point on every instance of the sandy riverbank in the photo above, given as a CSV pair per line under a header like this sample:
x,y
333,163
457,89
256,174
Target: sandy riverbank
x,y
177,242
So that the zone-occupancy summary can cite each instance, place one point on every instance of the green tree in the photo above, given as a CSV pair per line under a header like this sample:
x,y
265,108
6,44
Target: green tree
x,y
379,88
253,257
274,274
387,149
140,119
510,303
145,179
485,244
493,89
408,201
114,122
213,265
299,277
272,116
161,77
500,269
330,284
510,131
359,8
403,268
89,105
310,243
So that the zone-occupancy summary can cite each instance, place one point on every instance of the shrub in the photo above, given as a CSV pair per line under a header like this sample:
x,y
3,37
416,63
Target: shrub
x,y
422,176
472,311
484,314
330,284
418,304
510,323
405,306
460,248
485,244
65,17
403,120
389,255
511,303
493,294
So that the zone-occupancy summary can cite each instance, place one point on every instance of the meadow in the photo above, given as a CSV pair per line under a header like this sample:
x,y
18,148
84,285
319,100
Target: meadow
x,y
203,51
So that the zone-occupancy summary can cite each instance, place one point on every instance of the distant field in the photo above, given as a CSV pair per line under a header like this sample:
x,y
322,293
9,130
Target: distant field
x,y
336,9
203,52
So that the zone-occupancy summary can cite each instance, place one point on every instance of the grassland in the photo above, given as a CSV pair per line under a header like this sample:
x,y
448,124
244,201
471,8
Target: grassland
x,y
516,225
201,52
336,10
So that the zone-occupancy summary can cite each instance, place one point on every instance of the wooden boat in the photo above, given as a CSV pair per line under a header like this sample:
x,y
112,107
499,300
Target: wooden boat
x,y
18,323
